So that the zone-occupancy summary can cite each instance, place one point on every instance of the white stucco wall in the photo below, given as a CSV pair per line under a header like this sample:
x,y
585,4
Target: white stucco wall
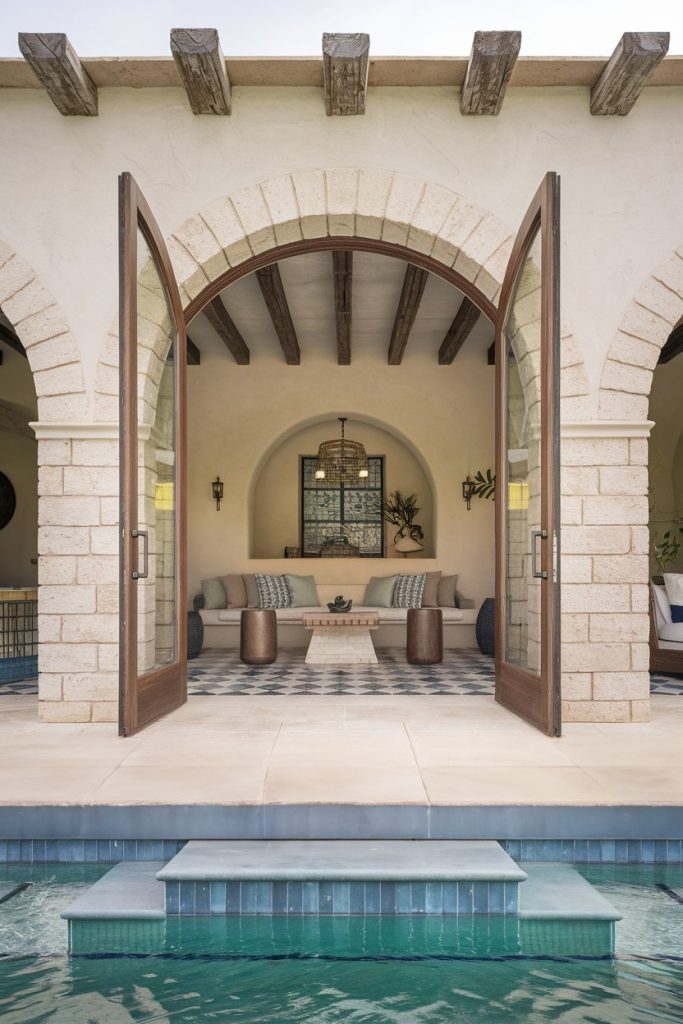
x,y
621,179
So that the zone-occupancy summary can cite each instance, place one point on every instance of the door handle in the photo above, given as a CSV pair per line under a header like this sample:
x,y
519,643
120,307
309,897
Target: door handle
x,y
145,554
535,572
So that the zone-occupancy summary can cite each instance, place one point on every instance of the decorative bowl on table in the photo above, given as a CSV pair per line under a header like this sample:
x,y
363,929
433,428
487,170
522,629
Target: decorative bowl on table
x,y
339,604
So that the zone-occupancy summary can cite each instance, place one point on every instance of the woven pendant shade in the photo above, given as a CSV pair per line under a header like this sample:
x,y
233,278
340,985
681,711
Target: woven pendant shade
x,y
341,462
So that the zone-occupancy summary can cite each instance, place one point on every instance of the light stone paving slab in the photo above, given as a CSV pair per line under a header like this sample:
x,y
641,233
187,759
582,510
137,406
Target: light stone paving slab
x,y
559,892
385,860
129,891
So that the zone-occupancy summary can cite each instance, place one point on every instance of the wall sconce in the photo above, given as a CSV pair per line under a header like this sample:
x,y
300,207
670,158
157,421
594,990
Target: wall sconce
x,y
217,492
468,491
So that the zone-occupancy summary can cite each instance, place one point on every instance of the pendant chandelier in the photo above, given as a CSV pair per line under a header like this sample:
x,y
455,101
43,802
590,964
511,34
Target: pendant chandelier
x,y
341,462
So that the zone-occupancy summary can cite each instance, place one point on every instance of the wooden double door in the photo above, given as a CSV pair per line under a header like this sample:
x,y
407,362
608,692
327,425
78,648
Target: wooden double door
x,y
153,659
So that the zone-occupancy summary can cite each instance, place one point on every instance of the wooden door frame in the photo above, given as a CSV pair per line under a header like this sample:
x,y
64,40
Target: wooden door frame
x,y
516,688
165,688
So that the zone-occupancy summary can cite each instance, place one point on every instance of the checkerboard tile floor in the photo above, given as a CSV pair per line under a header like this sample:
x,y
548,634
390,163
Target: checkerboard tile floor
x,y
221,673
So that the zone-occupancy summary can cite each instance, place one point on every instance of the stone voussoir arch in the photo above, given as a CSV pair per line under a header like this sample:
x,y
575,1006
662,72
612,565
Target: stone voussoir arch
x,y
317,204
652,314
43,330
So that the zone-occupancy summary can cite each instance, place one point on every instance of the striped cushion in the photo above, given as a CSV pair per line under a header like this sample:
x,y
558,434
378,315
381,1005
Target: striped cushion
x,y
273,591
408,591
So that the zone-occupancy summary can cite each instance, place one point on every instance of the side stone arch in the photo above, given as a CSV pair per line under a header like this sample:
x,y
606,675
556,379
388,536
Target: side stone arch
x,y
650,317
44,332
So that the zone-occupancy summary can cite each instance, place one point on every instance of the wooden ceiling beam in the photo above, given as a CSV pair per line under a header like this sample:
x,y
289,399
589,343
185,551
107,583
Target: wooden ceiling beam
x,y
673,346
273,293
59,70
201,65
345,71
411,295
224,326
458,332
343,278
11,340
636,56
488,73
194,356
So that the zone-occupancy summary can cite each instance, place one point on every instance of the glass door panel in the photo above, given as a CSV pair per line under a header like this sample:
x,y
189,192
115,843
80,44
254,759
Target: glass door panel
x,y
153,624
527,459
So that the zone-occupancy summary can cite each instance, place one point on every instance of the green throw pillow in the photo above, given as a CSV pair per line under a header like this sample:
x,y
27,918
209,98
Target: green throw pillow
x,y
304,592
380,591
214,594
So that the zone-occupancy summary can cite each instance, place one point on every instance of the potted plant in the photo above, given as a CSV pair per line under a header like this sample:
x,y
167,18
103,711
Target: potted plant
x,y
666,550
400,511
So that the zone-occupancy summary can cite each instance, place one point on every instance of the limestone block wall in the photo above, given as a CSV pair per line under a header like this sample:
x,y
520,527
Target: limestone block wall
x,y
78,572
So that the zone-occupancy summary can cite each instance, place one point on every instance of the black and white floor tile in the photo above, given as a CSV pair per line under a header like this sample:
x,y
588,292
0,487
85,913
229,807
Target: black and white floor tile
x,y
221,673
462,672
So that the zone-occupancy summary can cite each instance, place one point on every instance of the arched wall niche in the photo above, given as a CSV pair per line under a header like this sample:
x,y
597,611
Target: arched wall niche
x,y
275,494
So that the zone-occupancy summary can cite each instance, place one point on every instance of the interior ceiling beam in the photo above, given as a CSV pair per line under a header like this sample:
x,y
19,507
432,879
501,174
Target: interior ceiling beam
x,y
11,340
345,71
457,334
194,356
488,72
201,64
673,346
343,279
636,56
411,295
59,70
273,292
224,326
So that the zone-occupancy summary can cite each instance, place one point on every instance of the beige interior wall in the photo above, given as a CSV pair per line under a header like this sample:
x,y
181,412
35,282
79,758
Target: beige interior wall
x,y
276,494
666,453
19,539
237,413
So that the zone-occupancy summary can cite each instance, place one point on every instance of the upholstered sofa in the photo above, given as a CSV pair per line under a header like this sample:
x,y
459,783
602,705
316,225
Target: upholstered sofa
x,y
222,625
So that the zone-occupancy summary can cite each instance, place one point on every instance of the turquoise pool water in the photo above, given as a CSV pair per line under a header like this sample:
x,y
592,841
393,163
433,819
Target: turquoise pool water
x,y
372,971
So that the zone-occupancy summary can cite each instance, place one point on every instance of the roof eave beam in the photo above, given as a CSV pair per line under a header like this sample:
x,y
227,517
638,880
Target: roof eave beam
x,y
201,65
488,73
59,70
345,72
636,56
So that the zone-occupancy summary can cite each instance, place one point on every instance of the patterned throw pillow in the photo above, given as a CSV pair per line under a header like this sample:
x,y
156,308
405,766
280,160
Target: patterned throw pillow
x,y
273,591
408,591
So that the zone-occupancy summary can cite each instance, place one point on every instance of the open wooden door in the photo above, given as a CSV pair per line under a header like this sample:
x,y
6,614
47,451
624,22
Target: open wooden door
x,y
153,622
528,469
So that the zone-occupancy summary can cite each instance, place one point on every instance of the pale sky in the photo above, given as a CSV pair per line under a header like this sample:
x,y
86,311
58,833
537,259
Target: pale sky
x,y
295,27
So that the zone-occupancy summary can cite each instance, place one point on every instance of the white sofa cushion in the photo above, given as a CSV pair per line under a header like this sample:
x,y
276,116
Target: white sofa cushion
x,y
673,633
662,607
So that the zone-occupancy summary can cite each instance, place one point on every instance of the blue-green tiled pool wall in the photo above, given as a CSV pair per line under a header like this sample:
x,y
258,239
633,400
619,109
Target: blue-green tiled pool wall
x,y
341,898
595,851
86,851
567,851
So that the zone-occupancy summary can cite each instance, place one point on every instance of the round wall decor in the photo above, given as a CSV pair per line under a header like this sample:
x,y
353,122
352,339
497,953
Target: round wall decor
x,y
8,501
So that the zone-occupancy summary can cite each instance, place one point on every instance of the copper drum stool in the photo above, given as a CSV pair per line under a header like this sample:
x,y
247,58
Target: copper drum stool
x,y
425,636
258,636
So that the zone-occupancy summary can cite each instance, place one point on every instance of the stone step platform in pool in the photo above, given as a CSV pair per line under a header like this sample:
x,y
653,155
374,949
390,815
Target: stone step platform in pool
x,y
342,878
557,892
129,891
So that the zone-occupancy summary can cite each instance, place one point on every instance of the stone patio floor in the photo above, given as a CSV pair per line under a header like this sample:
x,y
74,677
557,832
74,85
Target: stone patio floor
x,y
341,749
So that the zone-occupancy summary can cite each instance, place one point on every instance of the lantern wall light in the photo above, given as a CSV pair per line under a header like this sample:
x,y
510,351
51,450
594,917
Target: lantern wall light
x,y
468,491
217,492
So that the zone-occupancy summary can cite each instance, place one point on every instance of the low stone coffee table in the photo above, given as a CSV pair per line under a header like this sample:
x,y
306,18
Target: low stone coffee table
x,y
341,638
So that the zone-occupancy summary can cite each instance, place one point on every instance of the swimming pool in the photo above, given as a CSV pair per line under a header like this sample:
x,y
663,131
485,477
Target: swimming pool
x,y
369,970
